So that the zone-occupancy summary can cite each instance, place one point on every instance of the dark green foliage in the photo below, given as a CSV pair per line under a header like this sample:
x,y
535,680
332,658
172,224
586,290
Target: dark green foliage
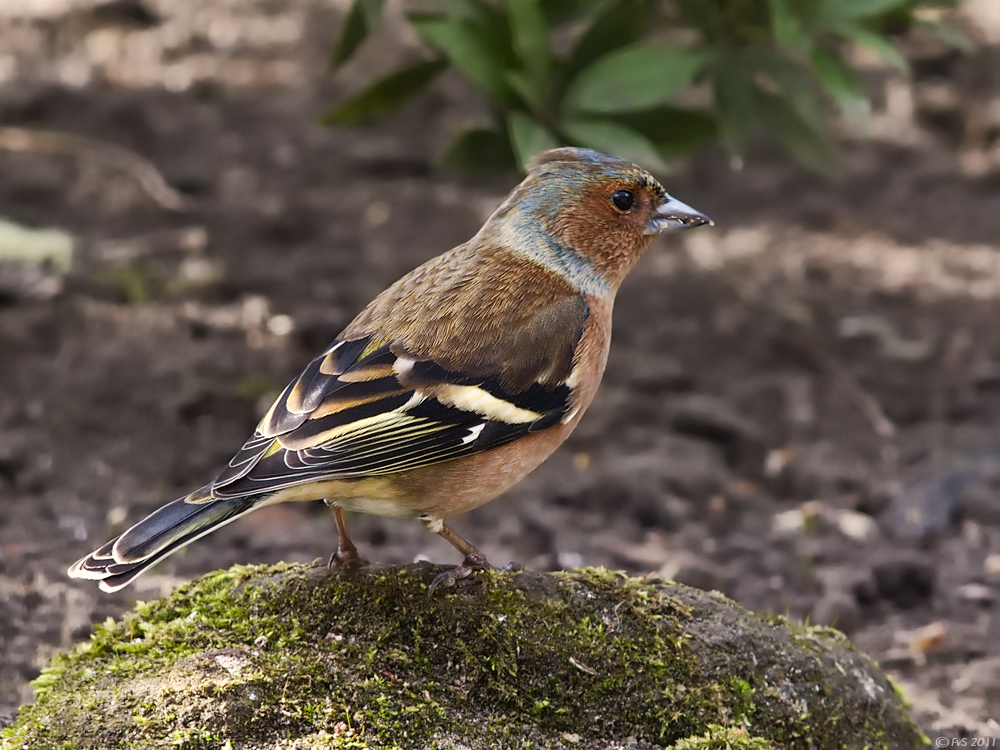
x,y
384,95
610,74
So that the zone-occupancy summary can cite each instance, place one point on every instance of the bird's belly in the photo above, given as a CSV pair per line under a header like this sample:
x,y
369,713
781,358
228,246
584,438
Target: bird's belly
x,y
377,507
375,495
441,490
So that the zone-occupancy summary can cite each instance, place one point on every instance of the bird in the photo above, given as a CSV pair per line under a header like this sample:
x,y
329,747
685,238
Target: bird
x,y
453,384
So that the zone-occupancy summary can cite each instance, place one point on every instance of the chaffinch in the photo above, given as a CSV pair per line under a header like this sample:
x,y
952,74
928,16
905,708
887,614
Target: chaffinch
x,y
453,384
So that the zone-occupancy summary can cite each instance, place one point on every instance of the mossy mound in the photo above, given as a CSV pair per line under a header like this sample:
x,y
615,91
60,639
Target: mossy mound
x,y
297,657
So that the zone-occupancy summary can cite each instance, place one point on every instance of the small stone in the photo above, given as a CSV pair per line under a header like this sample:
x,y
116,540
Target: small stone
x,y
991,566
776,461
980,677
864,589
659,510
658,374
569,560
928,638
807,517
854,525
982,504
788,522
117,515
717,421
978,593
694,570
905,580
199,273
649,554
377,214
281,325
819,470
231,660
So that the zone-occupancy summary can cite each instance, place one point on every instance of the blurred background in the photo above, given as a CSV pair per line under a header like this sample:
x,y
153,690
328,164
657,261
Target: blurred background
x,y
802,404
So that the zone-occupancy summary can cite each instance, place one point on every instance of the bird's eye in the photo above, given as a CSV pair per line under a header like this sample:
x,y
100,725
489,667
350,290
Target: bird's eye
x,y
623,199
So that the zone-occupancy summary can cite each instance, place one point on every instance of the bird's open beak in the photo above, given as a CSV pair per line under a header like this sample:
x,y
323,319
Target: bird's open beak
x,y
672,215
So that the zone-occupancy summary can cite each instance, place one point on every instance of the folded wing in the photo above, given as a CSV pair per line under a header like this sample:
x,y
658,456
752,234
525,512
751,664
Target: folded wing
x,y
367,407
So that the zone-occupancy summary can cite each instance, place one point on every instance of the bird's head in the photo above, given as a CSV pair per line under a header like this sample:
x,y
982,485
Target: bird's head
x,y
604,208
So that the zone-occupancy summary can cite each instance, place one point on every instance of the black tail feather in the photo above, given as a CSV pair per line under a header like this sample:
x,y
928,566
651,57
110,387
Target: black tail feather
x,y
157,536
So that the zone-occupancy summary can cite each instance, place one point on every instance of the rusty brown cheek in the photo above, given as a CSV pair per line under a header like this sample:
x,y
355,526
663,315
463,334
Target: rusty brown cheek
x,y
611,241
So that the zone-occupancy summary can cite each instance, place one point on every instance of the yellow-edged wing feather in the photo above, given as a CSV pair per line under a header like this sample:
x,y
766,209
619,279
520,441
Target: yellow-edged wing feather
x,y
379,403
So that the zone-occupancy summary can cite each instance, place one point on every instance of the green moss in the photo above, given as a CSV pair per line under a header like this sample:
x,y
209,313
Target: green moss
x,y
723,738
369,659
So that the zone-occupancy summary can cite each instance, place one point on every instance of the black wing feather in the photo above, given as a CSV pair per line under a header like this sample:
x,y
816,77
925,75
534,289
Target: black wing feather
x,y
365,408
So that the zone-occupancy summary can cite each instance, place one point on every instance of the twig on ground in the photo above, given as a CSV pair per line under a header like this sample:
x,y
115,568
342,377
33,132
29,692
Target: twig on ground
x,y
142,170
870,407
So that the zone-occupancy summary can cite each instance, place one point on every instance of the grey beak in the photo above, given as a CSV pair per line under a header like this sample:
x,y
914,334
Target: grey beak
x,y
672,215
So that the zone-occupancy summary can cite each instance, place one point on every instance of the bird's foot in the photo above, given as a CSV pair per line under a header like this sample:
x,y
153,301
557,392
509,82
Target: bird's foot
x,y
469,566
346,557
450,577
346,560
474,560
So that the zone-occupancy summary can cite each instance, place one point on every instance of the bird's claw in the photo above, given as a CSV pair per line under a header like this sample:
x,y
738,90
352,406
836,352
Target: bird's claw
x,y
346,561
449,578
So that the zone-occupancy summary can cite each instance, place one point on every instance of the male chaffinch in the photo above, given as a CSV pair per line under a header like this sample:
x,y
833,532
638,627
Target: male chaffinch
x,y
453,384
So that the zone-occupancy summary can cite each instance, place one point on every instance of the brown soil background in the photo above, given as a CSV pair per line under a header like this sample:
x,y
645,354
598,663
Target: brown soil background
x,y
800,410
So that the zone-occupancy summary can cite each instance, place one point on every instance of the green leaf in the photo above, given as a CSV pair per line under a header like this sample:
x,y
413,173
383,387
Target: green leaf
x,y
614,138
557,12
770,67
949,34
672,130
808,145
787,27
880,45
531,41
735,105
709,18
637,77
470,50
521,86
528,137
615,24
478,11
838,11
384,95
372,10
479,152
843,86
362,17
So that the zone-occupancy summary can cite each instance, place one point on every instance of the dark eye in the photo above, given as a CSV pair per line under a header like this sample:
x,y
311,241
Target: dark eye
x,y
623,199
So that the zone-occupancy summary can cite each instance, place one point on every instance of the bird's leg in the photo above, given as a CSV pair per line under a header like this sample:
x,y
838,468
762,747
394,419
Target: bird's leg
x,y
346,555
474,559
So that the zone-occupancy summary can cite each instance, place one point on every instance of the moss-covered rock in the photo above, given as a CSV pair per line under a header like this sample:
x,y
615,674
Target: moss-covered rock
x,y
296,657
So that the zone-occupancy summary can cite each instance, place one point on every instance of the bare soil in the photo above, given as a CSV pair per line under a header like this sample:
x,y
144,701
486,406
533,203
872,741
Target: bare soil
x,y
801,407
